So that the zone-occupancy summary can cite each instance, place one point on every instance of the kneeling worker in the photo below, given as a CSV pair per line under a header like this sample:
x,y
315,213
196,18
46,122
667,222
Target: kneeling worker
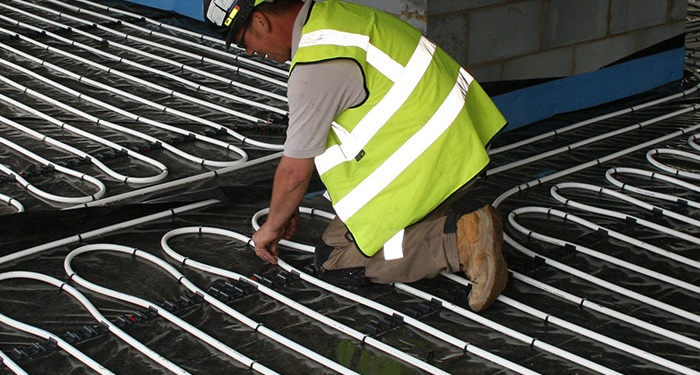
x,y
394,127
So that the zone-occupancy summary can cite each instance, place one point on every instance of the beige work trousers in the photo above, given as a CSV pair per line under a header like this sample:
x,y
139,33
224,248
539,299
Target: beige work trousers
x,y
427,250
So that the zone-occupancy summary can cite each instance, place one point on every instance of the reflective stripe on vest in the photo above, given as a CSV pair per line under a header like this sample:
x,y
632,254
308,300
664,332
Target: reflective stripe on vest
x,y
353,143
376,57
393,249
405,155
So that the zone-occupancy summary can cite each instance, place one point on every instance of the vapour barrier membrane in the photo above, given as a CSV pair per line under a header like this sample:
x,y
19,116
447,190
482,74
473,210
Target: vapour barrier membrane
x,y
575,249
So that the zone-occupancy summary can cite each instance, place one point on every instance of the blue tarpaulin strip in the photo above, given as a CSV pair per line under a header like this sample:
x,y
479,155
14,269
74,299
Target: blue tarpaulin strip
x,y
189,8
529,105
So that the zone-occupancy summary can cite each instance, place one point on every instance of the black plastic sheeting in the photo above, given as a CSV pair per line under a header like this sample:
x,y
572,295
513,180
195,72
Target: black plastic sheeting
x,y
242,193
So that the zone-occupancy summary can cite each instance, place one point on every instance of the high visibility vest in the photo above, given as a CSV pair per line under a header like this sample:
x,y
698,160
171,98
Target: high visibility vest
x,y
419,136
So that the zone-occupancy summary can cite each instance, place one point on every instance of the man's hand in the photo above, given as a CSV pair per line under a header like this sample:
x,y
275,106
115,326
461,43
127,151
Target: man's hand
x,y
291,181
266,239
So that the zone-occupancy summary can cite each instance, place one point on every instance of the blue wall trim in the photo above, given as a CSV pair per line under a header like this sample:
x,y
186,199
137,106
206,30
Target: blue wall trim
x,y
189,8
535,103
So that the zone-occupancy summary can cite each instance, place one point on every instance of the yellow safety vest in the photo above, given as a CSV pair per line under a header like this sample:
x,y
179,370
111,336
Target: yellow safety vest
x,y
418,137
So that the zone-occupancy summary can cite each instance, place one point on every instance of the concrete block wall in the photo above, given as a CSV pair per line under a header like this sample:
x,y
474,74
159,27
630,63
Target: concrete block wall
x,y
539,58
501,40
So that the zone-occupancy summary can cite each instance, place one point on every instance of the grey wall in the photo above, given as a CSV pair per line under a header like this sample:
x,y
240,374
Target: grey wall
x,y
521,39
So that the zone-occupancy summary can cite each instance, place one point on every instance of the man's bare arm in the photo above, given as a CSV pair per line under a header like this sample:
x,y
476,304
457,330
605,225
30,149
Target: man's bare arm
x,y
292,179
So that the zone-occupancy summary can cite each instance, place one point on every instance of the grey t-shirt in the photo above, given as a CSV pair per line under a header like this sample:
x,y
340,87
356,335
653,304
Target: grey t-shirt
x,y
317,93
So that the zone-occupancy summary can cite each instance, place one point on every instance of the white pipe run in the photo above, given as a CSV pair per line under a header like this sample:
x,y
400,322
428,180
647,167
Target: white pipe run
x,y
593,279
556,175
12,202
150,103
590,140
593,253
145,304
651,157
596,162
99,317
363,338
150,56
11,365
556,189
137,81
179,183
611,174
551,319
163,170
101,189
505,330
80,237
123,129
46,335
179,41
539,181
692,142
581,302
192,34
379,307
186,261
534,342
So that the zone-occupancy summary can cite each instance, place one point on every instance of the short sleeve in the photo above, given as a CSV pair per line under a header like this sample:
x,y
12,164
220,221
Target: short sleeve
x,y
317,94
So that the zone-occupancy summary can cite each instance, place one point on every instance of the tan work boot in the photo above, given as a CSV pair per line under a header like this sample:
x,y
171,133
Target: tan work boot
x,y
479,242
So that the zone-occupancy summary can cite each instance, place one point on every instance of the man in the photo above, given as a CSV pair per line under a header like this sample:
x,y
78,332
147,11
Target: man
x,y
394,127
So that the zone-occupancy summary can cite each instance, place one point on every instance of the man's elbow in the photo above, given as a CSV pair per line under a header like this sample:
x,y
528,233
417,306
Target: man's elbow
x,y
294,173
